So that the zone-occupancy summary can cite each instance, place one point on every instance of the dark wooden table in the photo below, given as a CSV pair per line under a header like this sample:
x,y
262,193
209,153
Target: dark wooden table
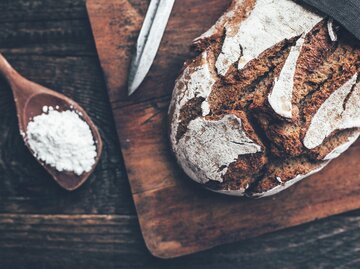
x,y
42,226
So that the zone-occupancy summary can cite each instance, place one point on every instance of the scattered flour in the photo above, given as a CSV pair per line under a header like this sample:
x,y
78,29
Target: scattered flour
x,y
62,140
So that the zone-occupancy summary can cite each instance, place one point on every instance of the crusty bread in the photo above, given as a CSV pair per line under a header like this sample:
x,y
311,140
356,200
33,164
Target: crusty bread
x,y
272,97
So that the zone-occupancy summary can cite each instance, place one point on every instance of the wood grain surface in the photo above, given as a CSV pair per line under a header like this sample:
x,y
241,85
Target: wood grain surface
x,y
176,216
44,227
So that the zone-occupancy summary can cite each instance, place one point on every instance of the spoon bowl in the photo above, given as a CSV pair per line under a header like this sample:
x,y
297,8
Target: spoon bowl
x,y
30,98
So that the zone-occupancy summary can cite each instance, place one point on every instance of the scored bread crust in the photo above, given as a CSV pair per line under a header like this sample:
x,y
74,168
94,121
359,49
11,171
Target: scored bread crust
x,y
272,97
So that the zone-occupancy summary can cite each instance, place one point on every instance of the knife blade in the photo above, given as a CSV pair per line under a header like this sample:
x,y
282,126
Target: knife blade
x,y
148,42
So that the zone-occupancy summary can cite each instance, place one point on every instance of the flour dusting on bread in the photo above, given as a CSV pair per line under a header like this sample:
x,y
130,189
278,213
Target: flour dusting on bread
x,y
269,22
339,111
196,81
272,97
280,98
211,144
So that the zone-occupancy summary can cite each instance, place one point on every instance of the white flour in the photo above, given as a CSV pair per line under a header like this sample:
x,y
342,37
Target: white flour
x,y
62,140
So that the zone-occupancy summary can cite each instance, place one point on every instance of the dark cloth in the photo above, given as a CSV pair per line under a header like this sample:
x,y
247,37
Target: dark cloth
x,y
346,12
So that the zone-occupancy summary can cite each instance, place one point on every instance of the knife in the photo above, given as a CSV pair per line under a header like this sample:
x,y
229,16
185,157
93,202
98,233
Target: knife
x,y
148,41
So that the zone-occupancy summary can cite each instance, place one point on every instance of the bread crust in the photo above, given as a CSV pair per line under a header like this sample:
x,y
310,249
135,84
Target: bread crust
x,y
249,115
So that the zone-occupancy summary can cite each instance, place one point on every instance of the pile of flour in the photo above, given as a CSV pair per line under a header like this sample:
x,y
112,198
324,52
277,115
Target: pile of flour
x,y
62,140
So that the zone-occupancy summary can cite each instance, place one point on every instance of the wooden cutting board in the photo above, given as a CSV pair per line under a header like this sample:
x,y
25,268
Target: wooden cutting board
x,y
176,216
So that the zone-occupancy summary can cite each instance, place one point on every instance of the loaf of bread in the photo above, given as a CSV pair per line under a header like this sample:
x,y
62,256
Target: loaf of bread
x,y
272,97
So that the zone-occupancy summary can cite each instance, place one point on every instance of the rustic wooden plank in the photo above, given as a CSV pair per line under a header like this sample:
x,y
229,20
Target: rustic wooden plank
x,y
45,27
53,38
24,186
330,243
37,10
194,219
176,216
148,114
116,29
104,241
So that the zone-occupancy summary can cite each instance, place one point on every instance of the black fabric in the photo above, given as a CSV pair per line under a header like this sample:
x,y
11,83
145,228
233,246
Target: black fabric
x,y
346,12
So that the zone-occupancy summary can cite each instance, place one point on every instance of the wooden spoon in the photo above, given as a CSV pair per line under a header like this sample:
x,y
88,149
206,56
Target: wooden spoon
x,y
30,99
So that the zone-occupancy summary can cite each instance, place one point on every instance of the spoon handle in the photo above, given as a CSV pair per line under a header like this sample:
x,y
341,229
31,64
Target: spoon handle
x,y
19,85
6,69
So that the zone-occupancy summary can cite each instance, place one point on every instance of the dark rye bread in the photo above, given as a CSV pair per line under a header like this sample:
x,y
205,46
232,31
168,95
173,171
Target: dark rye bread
x,y
240,174
246,125
281,172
